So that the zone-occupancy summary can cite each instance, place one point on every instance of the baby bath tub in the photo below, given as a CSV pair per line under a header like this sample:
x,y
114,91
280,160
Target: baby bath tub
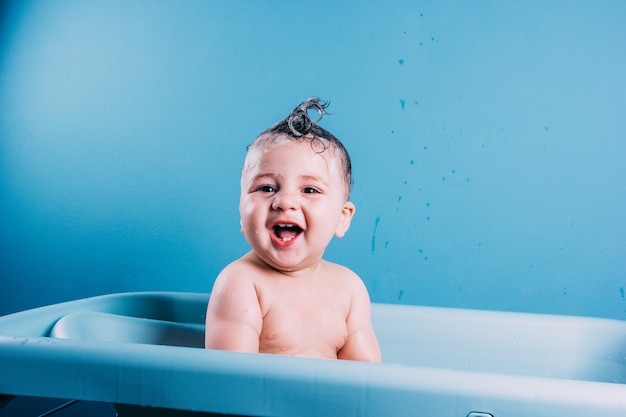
x,y
142,352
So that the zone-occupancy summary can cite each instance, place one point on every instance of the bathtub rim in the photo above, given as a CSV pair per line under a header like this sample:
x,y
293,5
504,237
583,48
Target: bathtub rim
x,y
374,389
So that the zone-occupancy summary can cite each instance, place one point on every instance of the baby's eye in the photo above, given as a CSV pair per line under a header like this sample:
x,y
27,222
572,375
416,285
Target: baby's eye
x,y
266,189
310,190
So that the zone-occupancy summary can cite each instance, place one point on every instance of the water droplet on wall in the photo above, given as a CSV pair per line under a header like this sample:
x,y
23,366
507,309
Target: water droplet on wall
x,y
376,222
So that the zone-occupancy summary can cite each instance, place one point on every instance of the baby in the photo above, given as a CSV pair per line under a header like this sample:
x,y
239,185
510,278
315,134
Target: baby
x,y
282,297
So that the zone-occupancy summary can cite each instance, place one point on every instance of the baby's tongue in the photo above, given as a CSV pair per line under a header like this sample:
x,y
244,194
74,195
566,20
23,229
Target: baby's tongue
x,y
287,234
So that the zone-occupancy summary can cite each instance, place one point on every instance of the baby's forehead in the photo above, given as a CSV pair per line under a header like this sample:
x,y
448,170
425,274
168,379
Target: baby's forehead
x,y
259,155
262,149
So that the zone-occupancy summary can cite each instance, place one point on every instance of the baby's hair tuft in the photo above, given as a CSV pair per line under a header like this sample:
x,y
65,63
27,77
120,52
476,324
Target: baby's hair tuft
x,y
299,121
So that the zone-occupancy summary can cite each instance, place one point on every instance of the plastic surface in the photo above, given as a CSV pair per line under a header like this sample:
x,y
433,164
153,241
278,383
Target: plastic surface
x,y
437,362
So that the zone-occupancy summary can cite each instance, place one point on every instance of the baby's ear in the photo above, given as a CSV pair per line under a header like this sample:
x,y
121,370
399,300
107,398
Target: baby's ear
x,y
347,212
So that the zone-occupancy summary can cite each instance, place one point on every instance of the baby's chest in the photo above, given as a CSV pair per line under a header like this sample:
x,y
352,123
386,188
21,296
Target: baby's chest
x,y
303,321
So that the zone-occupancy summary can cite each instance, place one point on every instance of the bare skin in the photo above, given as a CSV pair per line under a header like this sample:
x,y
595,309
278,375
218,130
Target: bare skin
x,y
282,297
324,314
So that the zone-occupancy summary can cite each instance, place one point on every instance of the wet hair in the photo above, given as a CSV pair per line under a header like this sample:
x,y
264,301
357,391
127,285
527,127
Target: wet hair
x,y
298,126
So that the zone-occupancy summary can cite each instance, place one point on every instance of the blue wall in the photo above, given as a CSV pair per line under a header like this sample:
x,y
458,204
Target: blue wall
x,y
488,140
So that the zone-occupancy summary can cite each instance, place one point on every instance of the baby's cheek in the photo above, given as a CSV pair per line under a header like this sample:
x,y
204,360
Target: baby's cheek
x,y
246,213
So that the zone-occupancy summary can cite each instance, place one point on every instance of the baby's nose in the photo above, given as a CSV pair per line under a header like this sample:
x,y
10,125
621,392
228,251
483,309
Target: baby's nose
x,y
284,200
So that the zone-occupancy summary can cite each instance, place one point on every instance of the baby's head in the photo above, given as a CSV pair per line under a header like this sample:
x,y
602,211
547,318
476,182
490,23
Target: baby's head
x,y
298,127
295,185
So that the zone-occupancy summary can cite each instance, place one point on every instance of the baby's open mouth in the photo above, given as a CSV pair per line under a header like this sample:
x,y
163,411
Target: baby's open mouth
x,y
286,231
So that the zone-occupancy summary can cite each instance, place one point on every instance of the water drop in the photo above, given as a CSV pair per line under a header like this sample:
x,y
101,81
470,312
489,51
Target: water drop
x,y
376,222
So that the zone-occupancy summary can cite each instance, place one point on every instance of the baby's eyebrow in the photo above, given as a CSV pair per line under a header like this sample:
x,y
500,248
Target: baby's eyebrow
x,y
263,176
313,178
249,181
310,177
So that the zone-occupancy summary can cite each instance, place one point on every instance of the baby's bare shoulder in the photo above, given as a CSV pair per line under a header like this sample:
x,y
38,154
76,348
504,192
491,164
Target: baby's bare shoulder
x,y
249,276
342,274
235,277
342,271
243,269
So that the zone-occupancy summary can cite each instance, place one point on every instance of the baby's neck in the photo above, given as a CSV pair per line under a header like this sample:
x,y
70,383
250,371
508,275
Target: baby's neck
x,y
304,273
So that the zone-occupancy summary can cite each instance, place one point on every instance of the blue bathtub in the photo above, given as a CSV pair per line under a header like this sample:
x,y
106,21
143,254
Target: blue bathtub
x,y
142,352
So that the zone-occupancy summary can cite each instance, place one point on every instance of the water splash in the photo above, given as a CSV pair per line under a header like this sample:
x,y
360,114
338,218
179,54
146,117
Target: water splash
x,y
376,222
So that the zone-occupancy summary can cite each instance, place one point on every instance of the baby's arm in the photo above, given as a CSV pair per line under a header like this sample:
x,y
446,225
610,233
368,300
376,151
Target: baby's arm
x,y
361,344
233,318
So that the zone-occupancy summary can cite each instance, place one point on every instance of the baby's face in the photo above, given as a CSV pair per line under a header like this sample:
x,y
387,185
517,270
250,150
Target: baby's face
x,y
292,203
